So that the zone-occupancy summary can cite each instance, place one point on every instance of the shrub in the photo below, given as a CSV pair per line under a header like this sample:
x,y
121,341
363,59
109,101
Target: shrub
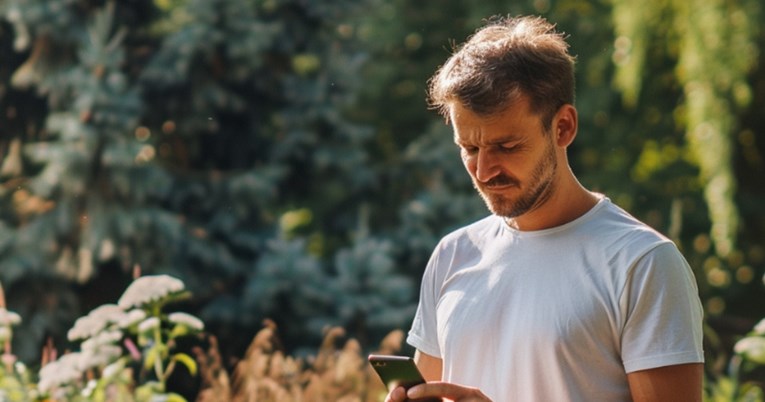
x,y
129,350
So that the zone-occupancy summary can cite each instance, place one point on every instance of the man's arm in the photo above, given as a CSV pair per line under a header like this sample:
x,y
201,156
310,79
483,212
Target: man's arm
x,y
429,366
680,383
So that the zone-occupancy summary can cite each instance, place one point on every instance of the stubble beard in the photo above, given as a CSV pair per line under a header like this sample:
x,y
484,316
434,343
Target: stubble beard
x,y
541,189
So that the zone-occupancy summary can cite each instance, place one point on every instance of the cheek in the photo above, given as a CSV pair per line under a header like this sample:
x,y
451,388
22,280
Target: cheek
x,y
470,164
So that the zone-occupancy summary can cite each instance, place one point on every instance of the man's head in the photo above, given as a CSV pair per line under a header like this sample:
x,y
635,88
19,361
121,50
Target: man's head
x,y
504,59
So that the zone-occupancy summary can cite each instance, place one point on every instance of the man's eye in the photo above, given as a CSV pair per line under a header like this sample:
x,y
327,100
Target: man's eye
x,y
469,150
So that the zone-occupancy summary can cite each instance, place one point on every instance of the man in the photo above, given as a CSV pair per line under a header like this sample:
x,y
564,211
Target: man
x,y
559,295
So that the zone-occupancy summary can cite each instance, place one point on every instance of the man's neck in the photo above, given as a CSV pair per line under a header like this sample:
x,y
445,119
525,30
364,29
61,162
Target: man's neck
x,y
565,205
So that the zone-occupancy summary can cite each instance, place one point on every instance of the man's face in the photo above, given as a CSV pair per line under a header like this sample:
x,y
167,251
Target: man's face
x,y
511,159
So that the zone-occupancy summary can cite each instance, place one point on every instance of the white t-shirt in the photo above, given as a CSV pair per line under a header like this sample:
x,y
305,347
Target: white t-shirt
x,y
560,314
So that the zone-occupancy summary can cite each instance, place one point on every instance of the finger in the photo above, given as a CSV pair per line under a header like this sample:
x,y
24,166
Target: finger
x,y
398,394
447,390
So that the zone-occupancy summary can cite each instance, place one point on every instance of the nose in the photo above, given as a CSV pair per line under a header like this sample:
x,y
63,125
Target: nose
x,y
486,165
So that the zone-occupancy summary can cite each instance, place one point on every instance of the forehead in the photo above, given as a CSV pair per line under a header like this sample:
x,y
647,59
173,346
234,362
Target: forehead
x,y
516,121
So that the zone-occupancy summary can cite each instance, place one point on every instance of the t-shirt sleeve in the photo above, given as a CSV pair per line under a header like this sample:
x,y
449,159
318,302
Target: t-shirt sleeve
x,y
663,313
423,334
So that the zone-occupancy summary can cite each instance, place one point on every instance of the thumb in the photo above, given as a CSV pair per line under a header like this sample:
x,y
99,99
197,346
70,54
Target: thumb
x,y
454,392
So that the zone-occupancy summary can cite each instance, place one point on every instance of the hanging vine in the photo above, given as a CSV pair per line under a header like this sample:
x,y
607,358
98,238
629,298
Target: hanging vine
x,y
714,42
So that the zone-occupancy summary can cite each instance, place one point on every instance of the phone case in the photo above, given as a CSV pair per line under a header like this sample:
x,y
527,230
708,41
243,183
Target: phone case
x,y
396,370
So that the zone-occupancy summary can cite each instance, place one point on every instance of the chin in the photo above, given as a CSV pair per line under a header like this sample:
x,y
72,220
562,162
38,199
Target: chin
x,y
505,213
501,207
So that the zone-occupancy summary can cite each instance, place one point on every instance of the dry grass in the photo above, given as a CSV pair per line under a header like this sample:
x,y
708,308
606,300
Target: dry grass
x,y
265,374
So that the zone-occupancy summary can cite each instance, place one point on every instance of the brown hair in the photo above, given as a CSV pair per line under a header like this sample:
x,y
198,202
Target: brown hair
x,y
502,60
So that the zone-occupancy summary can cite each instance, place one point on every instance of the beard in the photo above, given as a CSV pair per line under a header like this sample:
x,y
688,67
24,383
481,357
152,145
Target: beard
x,y
539,188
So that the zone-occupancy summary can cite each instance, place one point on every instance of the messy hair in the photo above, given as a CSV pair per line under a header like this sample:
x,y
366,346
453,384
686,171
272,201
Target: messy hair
x,y
507,58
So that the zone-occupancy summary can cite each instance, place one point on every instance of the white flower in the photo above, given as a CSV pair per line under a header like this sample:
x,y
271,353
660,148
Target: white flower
x,y
187,320
89,388
5,334
109,337
9,318
752,347
150,288
100,357
132,317
113,369
760,327
101,339
83,328
148,324
95,322
108,311
20,367
60,372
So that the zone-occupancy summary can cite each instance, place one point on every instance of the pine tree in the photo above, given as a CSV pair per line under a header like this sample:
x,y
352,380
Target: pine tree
x,y
208,140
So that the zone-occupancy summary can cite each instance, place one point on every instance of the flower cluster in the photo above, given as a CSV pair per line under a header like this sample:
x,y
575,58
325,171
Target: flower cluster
x,y
150,289
8,319
752,347
14,376
60,373
96,321
109,335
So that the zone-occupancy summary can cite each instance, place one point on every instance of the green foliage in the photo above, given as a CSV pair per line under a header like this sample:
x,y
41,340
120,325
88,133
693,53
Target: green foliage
x,y
715,48
15,380
727,390
736,385
15,383
181,141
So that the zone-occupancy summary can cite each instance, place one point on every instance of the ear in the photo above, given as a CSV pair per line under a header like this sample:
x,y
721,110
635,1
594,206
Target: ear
x,y
564,125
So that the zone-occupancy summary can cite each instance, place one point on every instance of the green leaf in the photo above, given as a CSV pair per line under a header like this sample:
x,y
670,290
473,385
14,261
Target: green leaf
x,y
173,397
145,392
151,356
187,361
179,331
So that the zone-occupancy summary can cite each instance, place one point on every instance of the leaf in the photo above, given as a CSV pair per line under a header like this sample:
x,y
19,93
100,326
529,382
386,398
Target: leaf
x,y
151,356
187,361
173,397
179,331
145,392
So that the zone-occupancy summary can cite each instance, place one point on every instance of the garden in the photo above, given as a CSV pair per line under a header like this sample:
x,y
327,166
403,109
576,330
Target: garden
x,y
234,200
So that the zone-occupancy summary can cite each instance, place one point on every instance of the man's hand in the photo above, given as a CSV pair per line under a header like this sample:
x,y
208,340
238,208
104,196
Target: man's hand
x,y
437,389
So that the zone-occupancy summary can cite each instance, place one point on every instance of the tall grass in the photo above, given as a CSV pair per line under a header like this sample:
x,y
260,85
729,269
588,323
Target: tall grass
x,y
266,374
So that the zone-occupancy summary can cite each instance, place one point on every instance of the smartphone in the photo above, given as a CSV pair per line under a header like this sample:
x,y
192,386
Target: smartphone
x,y
398,371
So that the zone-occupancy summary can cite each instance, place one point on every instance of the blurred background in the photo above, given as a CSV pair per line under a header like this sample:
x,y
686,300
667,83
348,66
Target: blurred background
x,y
279,157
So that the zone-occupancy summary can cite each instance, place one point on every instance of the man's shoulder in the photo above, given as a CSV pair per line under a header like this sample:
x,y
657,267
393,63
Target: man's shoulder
x,y
615,219
621,231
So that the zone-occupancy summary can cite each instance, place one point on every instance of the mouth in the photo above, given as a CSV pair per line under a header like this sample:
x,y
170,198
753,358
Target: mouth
x,y
499,184
497,187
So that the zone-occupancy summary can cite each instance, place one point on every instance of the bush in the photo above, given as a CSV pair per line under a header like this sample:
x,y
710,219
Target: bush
x,y
129,351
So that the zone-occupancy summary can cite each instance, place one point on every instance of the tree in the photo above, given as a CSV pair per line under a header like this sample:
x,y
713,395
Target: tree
x,y
206,139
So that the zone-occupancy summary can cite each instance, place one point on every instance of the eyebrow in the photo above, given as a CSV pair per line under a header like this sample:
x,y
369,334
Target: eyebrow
x,y
497,141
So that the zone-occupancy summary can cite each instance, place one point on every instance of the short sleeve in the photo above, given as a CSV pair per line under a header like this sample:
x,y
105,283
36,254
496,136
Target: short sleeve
x,y
424,331
663,313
